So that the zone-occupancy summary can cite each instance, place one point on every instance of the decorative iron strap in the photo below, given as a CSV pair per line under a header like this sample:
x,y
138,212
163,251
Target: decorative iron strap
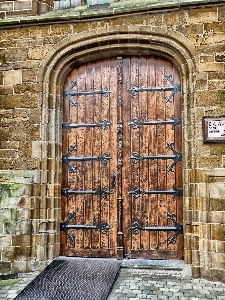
x,y
68,94
135,123
174,88
104,124
67,158
176,156
175,192
66,226
103,192
177,228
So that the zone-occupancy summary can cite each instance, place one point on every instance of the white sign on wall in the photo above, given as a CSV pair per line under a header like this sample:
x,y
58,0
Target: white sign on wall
x,y
213,129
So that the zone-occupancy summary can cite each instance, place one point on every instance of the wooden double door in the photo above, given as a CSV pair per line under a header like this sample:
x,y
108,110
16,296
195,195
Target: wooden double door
x,y
122,169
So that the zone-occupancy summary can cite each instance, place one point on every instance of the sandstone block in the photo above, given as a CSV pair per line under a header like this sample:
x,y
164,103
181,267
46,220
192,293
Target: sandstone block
x,y
211,67
32,265
22,5
15,54
5,267
21,240
41,253
13,77
202,15
216,204
221,13
218,232
5,241
187,256
24,227
172,19
19,266
6,6
38,52
220,246
196,271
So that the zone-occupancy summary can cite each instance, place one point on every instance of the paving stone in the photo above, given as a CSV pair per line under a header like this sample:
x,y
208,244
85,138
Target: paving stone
x,y
141,285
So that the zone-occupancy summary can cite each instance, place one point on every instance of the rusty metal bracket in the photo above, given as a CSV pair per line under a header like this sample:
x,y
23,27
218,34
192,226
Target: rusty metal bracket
x,y
66,226
174,88
68,94
104,124
135,123
176,156
67,158
102,192
177,228
175,192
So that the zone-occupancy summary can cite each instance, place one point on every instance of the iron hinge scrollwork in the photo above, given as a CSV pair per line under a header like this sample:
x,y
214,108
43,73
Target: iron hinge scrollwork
x,y
135,123
102,192
68,94
177,228
66,226
174,88
137,192
176,156
104,124
67,158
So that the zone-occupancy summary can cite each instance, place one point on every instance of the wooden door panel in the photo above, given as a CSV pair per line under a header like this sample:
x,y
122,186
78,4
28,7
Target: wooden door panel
x,y
147,175
92,161
137,101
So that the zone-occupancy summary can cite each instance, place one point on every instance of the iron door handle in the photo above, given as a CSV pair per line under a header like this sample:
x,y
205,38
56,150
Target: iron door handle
x,y
113,180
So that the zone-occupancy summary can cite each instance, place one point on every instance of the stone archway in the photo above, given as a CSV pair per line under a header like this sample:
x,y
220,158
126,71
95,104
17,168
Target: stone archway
x,y
79,49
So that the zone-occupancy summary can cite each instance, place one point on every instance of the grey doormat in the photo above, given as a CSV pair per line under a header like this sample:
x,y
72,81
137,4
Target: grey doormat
x,y
73,279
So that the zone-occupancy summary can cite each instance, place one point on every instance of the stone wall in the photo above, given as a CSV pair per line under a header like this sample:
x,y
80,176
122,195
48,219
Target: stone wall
x,y
35,57
24,8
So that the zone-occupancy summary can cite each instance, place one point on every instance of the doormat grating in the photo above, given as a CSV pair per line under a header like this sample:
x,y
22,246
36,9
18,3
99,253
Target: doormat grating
x,y
77,279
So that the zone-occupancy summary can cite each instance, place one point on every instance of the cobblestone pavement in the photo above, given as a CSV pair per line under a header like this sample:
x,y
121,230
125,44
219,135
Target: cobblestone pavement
x,y
166,281
137,281
10,288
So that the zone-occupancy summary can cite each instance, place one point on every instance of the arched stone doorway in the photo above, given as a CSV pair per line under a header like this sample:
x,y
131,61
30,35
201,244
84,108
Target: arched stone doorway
x,y
122,161
111,42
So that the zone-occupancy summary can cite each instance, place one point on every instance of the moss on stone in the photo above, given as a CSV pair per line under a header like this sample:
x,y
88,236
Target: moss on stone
x,y
8,282
9,189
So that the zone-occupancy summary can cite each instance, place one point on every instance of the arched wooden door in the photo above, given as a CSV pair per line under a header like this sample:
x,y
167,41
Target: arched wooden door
x,y
122,169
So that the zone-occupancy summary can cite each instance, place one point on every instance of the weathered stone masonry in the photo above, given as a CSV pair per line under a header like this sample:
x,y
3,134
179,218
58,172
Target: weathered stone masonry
x,y
36,54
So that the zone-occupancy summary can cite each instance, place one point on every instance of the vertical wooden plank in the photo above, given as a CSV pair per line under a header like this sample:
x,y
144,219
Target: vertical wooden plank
x,y
71,176
89,112
72,142
171,204
105,148
96,151
65,137
112,146
81,151
135,147
144,97
126,168
121,196
162,199
153,170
